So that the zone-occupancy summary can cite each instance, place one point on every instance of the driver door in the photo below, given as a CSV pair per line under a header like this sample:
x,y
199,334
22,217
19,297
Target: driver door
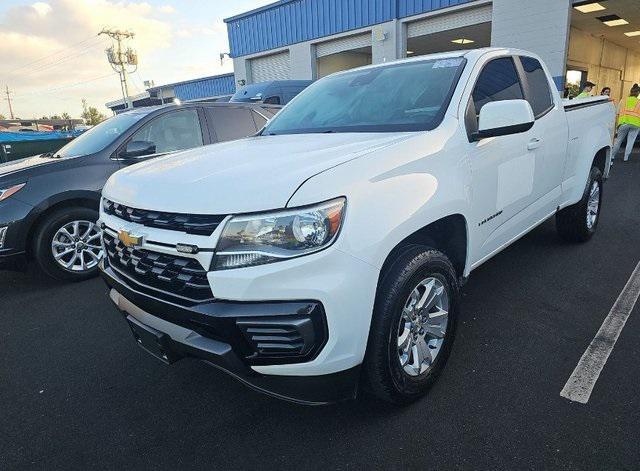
x,y
503,168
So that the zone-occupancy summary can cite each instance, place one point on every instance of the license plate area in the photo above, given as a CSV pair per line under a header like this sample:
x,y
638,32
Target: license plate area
x,y
153,341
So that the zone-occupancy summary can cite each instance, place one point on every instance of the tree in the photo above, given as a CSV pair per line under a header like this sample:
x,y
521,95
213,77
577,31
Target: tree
x,y
2,116
65,115
91,115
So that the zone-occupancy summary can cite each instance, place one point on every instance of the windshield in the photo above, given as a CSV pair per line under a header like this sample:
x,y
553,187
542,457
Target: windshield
x,y
100,136
409,96
249,93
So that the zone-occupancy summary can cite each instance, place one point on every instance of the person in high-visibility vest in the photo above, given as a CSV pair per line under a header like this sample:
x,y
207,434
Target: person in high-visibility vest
x,y
586,91
628,122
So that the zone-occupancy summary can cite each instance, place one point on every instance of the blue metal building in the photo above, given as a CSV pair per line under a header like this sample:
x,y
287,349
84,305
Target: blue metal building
x,y
205,88
292,21
308,39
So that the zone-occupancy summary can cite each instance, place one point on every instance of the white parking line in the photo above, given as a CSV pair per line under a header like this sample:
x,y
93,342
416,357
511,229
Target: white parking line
x,y
584,377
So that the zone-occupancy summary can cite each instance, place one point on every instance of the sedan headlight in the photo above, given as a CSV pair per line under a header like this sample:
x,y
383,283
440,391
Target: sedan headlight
x,y
270,237
7,192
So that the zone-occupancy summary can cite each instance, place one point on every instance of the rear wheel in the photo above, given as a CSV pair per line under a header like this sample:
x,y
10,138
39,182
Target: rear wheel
x,y
578,222
413,325
67,244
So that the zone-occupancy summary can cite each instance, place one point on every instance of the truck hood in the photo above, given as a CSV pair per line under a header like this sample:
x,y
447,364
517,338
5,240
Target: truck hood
x,y
253,174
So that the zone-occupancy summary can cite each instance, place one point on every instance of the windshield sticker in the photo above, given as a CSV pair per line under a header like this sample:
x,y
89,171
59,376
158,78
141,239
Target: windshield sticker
x,y
444,63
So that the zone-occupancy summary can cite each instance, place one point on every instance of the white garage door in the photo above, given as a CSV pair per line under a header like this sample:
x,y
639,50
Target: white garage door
x,y
273,67
343,44
459,19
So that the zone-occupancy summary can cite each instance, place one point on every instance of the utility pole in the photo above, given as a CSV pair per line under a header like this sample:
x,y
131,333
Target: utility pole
x,y
121,58
9,100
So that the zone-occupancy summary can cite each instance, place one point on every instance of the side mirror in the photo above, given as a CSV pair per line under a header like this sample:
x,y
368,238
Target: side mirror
x,y
138,149
501,118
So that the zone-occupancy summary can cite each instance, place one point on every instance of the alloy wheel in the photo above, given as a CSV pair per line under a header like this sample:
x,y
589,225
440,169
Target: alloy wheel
x,y
76,246
423,326
593,205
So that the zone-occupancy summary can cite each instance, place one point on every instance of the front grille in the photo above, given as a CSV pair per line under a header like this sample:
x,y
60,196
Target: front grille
x,y
182,279
190,223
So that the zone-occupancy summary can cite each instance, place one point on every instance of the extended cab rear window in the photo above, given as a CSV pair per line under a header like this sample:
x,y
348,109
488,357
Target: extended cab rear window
x,y
409,96
538,91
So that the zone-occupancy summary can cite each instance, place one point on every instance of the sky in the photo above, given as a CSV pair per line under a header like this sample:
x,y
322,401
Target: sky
x,y
51,56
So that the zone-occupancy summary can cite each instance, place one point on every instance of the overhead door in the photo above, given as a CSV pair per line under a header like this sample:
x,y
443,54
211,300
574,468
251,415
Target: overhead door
x,y
459,19
272,67
348,43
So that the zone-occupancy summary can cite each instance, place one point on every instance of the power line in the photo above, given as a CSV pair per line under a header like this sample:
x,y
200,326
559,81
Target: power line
x,y
50,90
65,49
140,85
63,60
58,61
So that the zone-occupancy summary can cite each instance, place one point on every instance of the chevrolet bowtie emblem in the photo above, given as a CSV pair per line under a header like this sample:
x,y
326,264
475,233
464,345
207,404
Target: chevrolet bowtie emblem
x,y
128,239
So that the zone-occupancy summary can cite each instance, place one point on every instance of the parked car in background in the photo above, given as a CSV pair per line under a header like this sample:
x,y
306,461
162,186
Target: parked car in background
x,y
49,203
276,92
331,247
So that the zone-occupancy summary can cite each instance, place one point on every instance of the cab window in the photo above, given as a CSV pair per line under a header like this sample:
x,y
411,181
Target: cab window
x,y
232,123
170,132
498,80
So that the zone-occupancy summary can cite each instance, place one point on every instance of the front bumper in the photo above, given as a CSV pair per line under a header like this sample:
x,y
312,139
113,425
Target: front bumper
x,y
15,218
208,331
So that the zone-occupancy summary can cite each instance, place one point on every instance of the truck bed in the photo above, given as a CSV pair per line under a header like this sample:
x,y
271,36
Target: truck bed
x,y
587,117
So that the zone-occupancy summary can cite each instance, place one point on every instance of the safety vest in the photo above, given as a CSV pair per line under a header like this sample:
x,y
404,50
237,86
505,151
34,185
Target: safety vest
x,y
584,95
630,114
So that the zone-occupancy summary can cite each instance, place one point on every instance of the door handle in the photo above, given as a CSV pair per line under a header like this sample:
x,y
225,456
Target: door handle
x,y
534,143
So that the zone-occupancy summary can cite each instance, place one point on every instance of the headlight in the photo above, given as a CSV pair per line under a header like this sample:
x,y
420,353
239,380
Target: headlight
x,y
12,190
270,237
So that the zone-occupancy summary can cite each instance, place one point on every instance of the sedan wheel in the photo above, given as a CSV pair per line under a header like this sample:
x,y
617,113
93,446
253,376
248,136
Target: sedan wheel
x,y
76,246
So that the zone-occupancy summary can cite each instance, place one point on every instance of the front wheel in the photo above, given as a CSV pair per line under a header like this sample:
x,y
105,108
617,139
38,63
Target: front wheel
x,y
413,325
67,244
578,222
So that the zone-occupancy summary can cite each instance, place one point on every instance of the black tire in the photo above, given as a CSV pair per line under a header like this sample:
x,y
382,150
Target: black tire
x,y
571,222
43,237
384,375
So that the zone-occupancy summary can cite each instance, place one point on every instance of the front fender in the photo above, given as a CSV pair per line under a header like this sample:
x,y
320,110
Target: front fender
x,y
393,194
26,227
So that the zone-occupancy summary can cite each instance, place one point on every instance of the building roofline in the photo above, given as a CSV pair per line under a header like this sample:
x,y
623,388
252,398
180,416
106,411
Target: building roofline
x,y
121,101
258,10
184,82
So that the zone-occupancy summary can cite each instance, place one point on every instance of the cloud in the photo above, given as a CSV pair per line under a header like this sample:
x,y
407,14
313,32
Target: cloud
x,y
45,46
172,46
167,9
41,8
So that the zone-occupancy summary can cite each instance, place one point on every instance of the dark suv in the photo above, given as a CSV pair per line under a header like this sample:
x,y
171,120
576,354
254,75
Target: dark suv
x,y
49,203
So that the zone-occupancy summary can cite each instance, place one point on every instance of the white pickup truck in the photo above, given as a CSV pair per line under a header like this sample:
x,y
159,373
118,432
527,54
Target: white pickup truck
x,y
327,252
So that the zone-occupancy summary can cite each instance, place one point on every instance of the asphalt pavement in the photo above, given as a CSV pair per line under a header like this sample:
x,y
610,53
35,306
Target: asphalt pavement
x,y
77,393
